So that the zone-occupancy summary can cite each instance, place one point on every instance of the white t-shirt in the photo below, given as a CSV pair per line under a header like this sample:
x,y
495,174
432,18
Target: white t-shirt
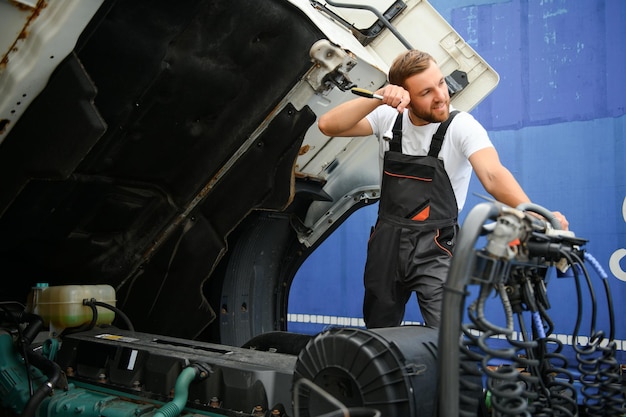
x,y
464,137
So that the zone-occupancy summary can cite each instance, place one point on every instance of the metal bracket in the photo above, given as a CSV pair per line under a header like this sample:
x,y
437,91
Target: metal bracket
x,y
332,65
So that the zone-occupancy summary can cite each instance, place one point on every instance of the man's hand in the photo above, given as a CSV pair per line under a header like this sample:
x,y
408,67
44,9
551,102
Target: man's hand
x,y
395,96
561,218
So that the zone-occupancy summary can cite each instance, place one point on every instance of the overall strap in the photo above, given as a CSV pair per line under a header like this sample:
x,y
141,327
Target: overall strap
x,y
435,145
395,144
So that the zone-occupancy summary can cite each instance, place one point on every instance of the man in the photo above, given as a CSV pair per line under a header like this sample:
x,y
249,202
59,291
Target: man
x,y
424,184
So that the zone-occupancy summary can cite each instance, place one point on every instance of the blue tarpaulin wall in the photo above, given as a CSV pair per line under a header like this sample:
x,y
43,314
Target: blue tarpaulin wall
x,y
557,119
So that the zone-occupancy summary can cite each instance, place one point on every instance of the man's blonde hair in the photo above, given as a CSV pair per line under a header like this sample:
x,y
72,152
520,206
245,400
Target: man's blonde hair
x,y
407,64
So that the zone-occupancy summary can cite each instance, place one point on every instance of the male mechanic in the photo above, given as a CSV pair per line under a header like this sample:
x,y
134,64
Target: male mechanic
x,y
428,151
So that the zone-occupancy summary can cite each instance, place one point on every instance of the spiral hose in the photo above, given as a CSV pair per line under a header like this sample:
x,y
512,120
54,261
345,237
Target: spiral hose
x,y
526,374
600,372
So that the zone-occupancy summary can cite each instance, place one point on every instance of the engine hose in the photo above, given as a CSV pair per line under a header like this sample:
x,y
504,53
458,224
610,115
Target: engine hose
x,y
120,313
84,327
50,348
36,399
34,324
52,371
181,393
93,304
453,305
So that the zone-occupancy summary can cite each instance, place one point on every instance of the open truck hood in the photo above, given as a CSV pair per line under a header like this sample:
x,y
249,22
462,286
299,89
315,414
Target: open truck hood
x,y
170,149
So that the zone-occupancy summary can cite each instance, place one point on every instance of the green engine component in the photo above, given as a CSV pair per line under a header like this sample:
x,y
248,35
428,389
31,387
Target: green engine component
x,y
76,401
81,402
84,403
14,378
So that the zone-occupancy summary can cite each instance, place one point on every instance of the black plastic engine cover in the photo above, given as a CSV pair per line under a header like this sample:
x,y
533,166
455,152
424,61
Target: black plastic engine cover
x,y
144,365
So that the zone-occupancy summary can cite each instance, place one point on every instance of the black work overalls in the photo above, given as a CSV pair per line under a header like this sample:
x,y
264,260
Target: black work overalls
x,y
410,248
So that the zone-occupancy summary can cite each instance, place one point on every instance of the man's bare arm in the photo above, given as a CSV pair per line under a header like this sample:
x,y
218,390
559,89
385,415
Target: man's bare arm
x,y
496,178
348,119
500,183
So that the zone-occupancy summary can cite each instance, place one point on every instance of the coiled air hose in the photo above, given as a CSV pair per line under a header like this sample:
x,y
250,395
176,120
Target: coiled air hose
x,y
453,297
548,386
600,373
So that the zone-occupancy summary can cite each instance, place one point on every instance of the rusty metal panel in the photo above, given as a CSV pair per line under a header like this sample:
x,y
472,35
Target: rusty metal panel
x,y
15,19
35,36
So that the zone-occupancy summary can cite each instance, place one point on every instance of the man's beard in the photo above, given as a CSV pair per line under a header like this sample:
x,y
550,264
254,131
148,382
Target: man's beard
x,y
430,117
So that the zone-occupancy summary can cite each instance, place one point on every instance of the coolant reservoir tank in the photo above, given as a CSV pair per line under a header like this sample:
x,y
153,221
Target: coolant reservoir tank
x,y
62,306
